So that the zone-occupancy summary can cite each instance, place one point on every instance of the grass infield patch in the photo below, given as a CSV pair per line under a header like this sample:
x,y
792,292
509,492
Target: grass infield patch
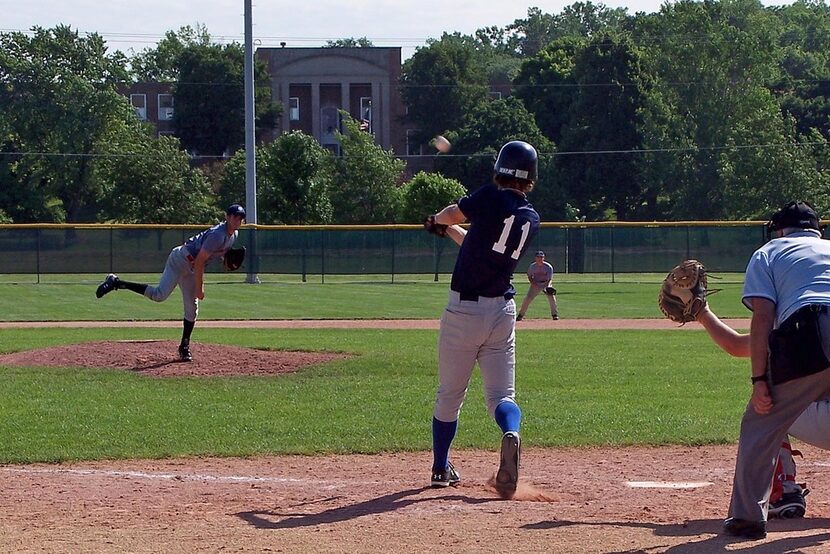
x,y
574,387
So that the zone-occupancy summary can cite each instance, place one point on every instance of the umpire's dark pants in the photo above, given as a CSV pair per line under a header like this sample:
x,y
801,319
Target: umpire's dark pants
x,y
761,437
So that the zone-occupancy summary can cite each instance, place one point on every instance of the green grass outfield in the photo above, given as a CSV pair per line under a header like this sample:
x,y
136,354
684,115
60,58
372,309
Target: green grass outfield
x,y
575,388
72,297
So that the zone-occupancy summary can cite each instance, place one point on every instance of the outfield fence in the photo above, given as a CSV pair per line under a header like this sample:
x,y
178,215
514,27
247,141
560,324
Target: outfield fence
x,y
609,247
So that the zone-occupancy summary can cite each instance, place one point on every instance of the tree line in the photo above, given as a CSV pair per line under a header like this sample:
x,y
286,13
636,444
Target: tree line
x,y
702,110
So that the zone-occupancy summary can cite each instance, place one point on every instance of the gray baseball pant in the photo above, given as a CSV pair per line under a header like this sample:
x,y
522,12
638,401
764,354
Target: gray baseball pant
x,y
177,271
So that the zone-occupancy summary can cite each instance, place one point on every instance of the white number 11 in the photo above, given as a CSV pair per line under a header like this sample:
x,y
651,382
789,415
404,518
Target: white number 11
x,y
501,245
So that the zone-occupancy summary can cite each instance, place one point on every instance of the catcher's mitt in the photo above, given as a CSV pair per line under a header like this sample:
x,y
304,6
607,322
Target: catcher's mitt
x,y
233,258
550,291
684,291
435,228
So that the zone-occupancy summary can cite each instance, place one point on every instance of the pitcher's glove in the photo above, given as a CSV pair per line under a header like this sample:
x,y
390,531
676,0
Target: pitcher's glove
x,y
550,291
435,228
684,291
233,258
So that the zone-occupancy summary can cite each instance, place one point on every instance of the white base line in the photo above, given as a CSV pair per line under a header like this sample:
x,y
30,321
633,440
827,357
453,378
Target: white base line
x,y
179,476
667,484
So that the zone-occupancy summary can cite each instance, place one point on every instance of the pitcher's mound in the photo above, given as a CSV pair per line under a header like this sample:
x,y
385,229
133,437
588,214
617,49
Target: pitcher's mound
x,y
160,358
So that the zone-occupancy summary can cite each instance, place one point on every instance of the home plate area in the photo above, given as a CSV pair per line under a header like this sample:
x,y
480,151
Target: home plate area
x,y
627,499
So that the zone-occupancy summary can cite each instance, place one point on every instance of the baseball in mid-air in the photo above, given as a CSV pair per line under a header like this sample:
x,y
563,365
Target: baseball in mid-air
x,y
442,144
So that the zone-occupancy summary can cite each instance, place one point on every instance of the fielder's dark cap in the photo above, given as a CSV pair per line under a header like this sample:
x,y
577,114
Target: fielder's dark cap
x,y
800,215
236,209
540,253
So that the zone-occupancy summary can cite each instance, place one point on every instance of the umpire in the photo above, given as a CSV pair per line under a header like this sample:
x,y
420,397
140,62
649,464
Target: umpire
x,y
787,287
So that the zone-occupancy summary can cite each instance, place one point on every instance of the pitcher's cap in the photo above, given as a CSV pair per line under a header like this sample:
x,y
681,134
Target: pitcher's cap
x,y
540,253
235,209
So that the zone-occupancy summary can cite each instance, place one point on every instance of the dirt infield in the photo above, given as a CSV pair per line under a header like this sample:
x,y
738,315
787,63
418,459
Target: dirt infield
x,y
604,500
159,358
608,500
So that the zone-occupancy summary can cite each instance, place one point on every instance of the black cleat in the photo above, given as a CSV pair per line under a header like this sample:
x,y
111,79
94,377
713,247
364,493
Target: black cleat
x,y
109,285
791,505
507,478
744,529
184,353
445,477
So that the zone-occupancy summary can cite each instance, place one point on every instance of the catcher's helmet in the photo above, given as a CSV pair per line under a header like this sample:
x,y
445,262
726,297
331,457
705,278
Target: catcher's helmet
x,y
800,215
517,159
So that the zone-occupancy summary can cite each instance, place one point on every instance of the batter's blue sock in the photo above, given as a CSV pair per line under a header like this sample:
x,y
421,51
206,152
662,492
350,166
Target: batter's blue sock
x,y
443,432
508,416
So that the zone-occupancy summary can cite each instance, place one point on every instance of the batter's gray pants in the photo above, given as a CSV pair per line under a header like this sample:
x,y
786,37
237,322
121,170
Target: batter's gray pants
x,y
177,271
482,331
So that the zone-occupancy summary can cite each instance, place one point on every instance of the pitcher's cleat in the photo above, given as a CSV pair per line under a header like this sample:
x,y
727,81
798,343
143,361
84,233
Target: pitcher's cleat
x,y
109,285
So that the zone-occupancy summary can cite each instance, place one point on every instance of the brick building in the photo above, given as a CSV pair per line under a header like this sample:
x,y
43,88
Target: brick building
x,y
313,84
154,103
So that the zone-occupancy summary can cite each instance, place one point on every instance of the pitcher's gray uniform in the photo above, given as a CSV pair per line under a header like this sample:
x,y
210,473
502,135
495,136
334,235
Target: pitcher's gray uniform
x,y
185,267
179,268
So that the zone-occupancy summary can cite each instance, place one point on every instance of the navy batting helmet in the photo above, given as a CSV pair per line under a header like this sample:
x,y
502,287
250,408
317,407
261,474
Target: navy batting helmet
x,y
517,159
800,215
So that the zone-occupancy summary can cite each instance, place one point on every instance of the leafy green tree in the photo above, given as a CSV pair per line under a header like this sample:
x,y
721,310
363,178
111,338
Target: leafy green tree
x,y
161,63
427,193
528,36
547,87
210,105
442,82
803,88
713,63
149,180
350,42
366,178
58,101
294,175
550,195
487,128
602,136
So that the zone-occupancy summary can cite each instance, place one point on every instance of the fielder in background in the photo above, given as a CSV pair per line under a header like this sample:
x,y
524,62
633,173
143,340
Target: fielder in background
x,y
539,274
185,267
787,287
479,322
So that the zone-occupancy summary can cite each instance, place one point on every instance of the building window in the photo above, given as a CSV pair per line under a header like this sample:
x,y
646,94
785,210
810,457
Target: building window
x,y
165,107
139,104
413,148
366,123
294,108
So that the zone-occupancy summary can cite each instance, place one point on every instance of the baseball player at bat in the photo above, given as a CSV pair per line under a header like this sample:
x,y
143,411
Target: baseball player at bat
x,y
185,267
478,324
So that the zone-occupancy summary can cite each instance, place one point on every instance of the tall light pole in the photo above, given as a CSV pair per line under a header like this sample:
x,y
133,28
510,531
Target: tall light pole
x,y
250,145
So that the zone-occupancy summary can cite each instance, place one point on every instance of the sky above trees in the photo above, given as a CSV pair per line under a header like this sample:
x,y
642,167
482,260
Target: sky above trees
x,y
406,23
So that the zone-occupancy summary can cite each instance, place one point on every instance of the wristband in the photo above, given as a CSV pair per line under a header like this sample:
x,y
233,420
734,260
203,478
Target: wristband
x,y
758,378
